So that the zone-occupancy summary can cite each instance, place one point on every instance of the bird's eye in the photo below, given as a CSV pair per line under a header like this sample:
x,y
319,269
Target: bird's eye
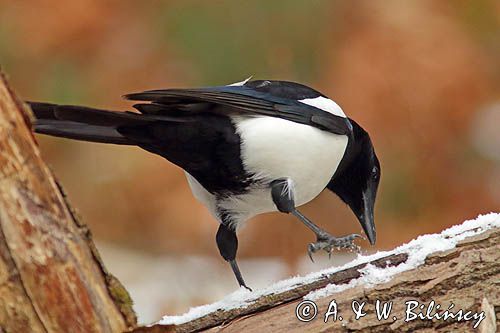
x,y
375,174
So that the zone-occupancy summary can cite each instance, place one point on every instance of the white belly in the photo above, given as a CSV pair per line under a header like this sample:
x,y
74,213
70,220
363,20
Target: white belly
x,y
275,148
202,195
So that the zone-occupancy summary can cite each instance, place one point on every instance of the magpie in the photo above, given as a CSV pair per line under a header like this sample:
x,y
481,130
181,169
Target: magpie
x,y
246,148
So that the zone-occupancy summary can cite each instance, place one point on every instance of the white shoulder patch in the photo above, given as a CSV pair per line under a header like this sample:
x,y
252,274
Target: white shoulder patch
x,y
324,104
242,83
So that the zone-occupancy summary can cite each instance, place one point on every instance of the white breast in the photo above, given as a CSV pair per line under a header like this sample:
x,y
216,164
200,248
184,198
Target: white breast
x,y
275,148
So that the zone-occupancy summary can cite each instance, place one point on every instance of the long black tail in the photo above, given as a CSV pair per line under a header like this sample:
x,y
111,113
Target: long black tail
x,y
83,123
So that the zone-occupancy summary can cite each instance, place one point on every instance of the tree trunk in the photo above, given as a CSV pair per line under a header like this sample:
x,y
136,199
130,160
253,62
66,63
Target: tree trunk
x,y
51,276
467,275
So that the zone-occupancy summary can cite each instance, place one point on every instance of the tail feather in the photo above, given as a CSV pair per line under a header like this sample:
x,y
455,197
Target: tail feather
x,y
83,114
79,131
83,123
96,125
43,110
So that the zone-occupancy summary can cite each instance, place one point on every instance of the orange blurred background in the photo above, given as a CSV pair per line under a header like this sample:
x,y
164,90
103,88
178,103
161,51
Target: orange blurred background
x,y
422,77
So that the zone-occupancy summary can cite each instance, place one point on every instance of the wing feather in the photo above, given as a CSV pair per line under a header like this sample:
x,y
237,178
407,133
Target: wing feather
x,y
239,100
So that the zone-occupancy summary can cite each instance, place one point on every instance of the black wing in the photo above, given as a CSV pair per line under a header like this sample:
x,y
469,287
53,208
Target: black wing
x,y
205,145
267,98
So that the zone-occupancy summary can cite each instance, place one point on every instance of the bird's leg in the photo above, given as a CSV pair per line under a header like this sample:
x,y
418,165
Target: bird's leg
x,y
228,245
283,198
325,241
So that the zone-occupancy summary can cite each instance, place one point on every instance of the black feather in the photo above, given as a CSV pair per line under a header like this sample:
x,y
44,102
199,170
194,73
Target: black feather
x,y
266,98
79,131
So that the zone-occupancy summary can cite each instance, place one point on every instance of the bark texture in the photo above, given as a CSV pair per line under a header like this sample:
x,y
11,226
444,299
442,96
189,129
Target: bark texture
x,y
468,276
51,276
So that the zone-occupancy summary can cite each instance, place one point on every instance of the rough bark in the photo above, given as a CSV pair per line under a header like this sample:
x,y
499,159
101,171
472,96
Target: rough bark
x,y
51,276
468,276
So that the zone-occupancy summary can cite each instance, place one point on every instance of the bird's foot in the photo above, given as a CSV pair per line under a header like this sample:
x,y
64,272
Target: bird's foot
x,y
327,243
238,275
246,287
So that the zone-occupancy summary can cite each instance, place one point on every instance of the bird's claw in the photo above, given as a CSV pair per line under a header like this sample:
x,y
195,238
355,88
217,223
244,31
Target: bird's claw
x,y
246,287
327,243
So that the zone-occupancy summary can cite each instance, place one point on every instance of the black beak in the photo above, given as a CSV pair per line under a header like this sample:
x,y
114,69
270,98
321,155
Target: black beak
x,y
366,216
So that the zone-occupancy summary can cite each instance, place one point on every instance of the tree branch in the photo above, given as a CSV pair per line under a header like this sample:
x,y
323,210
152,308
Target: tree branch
x,y
466,275
51,276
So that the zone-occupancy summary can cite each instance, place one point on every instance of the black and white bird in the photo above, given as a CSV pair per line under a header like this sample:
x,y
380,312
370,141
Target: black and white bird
x,y
247,148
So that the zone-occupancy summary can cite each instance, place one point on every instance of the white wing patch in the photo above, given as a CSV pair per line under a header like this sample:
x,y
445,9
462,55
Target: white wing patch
x,y
239,84
324,104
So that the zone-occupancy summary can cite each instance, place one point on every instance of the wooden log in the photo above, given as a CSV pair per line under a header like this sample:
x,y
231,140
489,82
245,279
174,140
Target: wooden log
x,y
51,276
467,275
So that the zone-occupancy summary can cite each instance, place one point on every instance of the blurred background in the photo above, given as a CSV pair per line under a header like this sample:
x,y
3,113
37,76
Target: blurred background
x,y
422,77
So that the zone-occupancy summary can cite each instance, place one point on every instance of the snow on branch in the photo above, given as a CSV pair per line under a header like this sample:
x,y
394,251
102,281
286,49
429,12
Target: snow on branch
x,y
455,266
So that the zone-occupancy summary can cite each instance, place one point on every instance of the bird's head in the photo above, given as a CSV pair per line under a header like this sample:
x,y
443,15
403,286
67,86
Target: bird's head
x,y
357,177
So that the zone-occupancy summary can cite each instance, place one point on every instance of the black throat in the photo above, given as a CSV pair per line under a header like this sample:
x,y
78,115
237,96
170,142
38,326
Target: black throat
x,y
350,177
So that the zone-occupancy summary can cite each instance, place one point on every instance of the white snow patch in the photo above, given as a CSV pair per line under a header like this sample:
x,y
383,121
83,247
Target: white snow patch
x,y
418,249
324,104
